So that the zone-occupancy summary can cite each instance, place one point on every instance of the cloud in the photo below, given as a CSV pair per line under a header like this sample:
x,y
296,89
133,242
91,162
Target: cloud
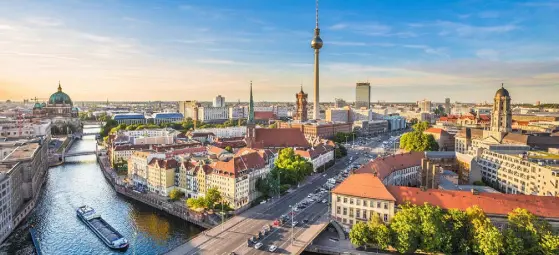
x,y
429,50
372,29
220,62
488,54
6,27
44,21
465,30
338,26
342,43
543,4
96,38
38,55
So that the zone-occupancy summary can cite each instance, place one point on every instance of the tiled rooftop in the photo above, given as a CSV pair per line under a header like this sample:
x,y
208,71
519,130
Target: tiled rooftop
x,y
363,185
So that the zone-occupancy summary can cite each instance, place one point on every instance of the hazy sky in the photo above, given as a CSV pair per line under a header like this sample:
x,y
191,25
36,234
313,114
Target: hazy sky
x,y
184,50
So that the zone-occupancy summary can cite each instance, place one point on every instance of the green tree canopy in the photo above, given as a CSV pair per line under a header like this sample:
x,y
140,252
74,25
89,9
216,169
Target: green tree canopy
x,y
405,229
380,233
417,140
175,194
524,232
549,244
360,234
292,167
486,238
212,197
196,203
459,226
435,236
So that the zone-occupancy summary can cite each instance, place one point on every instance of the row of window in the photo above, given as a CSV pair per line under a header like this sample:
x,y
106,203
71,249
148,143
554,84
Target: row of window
x,y
364,202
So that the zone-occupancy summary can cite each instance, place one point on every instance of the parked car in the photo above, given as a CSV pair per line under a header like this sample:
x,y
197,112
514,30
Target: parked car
x,y
258,245
272,248
295,223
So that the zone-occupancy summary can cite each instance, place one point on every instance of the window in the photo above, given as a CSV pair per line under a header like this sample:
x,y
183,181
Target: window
x,y
345,199
351,201
364,202
350,212
345,211
338,199
338,210
351,222
372,204
385,217
378,205
385,205
358,213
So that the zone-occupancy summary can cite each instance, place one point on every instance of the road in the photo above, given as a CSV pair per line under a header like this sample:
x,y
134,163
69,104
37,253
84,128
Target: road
x,y
233,235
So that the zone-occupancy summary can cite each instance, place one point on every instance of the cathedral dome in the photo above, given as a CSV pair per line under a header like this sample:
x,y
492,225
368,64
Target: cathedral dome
x,y
502,92
60,97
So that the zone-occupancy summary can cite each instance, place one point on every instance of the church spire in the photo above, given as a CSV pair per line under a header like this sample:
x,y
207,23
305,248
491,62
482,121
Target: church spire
x,y
59,87
251,107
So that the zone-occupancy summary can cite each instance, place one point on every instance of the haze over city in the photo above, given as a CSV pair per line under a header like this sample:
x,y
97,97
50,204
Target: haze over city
x,y
176,50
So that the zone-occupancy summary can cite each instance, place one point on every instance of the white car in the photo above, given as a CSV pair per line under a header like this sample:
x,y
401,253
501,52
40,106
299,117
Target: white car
x,y
258,246
294,223
324,201
272,248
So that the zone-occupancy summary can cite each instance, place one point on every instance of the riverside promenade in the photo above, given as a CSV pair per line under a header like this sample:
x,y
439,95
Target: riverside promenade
x,y
177,208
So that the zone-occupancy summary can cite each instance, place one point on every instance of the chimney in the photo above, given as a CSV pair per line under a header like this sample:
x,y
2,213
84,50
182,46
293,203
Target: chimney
x,y
475,191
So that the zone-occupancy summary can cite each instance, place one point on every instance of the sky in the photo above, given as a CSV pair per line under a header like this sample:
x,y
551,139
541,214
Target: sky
x,y
194,50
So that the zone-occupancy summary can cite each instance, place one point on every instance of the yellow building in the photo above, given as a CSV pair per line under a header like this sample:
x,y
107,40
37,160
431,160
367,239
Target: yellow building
x,y
161,177
359,197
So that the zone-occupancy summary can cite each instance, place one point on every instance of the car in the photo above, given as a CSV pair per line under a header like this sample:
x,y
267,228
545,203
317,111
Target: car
x,y
333,239
258,245
272,248
263,202
309,196
295,223
305,220
324,201
296,209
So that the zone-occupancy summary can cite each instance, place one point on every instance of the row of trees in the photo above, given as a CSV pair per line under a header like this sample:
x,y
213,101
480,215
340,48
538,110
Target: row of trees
x,y
417,140
433,230
210,201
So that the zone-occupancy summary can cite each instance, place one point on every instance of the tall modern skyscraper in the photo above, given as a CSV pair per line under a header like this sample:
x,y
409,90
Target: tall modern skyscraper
x,y
363,95
219,101
316,44
447,106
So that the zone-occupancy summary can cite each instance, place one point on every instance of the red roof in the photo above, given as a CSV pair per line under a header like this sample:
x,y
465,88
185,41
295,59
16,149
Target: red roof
x,y
186,151
279,138
264,116
434,130
363,185
385,166
490,203
485,117
164,163
239,163
314,152
216,150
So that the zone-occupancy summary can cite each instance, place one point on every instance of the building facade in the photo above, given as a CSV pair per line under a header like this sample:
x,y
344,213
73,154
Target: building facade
x,y
219,101
501,120
363,95
213,114
301,103
189,109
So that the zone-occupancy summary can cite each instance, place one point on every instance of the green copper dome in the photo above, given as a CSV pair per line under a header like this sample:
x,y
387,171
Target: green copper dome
x,y
60,97
37,105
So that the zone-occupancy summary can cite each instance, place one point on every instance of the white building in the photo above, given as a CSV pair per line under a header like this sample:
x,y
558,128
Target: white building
x,y
224,132
337,114
13,129
211,114
236,113
219,101
361,114
318,156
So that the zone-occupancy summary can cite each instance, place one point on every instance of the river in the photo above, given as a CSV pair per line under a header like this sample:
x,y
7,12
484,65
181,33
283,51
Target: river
x,y
80,181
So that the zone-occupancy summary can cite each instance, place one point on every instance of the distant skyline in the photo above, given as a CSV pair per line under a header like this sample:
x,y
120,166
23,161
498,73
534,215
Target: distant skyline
x,y
126,50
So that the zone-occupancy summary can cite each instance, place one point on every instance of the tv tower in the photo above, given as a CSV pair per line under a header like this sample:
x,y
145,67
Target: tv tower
x,y
316,44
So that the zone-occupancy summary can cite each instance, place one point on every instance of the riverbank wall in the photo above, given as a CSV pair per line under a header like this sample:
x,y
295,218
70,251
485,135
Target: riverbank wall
x,y
172,208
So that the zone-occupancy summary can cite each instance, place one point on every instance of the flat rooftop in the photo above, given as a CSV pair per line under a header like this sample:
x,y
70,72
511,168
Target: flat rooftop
x,y
22,152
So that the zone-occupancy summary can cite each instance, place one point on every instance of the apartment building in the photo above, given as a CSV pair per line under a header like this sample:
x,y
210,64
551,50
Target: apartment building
x,y
397,169
319,155
359,197
161,175
530,173
363,194
23,166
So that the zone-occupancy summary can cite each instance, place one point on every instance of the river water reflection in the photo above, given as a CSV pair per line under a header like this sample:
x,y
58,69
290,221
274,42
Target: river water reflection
x,y
79,182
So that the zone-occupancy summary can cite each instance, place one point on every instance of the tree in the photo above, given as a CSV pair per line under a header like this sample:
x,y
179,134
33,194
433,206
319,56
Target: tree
x,y
524,232
196,203
417,140
360,234
435,236
459,226
229,149
380,233
405,231
273,125
340,151
212,197
486,238
292,167
549,244
175,194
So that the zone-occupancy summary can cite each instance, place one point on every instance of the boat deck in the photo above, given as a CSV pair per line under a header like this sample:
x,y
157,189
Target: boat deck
x,y
105,229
